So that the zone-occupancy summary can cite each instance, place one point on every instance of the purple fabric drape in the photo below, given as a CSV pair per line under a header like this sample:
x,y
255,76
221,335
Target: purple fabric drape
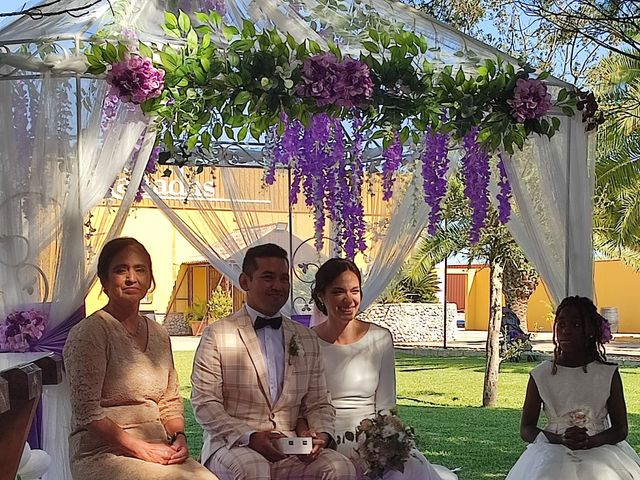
x,y
51,341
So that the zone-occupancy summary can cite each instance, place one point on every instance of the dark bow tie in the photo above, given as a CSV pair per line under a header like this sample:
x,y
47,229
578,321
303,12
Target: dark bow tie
x,y
262,322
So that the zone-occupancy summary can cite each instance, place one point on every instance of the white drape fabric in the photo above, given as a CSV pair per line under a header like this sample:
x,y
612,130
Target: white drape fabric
x,y
553,184
250,216
56,163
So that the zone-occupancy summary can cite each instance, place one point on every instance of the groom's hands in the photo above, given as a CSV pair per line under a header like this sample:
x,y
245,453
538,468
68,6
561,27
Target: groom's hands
x,y
262,442
320,440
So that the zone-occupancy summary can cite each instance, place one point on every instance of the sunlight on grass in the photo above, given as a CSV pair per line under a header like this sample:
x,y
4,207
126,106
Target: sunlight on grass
x,y
440,398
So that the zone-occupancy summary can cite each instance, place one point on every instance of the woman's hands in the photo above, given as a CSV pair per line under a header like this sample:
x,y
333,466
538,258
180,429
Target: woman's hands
x,y
152,452
161,453
181,450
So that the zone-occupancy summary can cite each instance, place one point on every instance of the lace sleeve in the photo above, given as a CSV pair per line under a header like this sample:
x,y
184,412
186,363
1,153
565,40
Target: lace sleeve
x,y
85,359
170,404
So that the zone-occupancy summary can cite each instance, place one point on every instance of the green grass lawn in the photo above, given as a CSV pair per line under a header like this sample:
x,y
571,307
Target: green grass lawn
x,y
439,397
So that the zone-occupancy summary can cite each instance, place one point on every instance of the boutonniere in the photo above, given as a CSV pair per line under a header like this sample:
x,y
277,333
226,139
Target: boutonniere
x,y
295,349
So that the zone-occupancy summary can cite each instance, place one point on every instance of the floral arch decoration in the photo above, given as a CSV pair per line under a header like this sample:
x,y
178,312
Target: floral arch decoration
x,y
319,110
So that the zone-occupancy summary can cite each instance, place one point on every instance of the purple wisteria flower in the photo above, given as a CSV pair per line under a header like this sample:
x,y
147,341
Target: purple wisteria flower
x,y
22,329
150,167
504,205
476,172
331,184
392,160
328,81
136,80
109,109
435,166
530,100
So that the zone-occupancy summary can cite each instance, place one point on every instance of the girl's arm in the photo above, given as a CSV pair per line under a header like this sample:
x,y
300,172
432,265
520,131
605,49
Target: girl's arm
x,y
530,413
617,414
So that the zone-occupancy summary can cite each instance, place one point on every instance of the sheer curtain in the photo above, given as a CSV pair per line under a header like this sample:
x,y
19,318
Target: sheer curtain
x,y
56,163
553,182
244,213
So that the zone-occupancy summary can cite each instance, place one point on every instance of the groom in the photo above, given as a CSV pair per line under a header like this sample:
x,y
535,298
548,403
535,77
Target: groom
x,y
255,374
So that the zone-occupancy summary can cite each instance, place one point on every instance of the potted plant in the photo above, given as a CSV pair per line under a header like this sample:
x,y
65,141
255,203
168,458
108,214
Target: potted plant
x,y
196,315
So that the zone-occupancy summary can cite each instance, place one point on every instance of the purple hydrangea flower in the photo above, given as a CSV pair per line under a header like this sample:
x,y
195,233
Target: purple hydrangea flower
x,y
320,74
530,100
22,329
355,86
136,80
331,82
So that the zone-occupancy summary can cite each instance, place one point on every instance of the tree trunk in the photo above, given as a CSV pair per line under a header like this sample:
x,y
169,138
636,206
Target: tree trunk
x,y
520,281
490,390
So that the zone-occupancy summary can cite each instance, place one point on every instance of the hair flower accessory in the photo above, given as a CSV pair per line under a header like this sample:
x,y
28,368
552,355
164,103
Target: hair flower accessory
x,y
605,330
295,348
21,329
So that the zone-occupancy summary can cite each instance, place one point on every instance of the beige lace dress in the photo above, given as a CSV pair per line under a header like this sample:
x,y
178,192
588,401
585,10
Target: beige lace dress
x,y
111,377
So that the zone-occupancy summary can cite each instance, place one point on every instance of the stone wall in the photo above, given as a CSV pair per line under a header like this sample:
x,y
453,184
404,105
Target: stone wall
x,y
176,324
413,322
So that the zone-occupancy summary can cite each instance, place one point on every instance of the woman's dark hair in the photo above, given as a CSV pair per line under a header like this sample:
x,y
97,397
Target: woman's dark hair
x,y
592,329
327,274
113,248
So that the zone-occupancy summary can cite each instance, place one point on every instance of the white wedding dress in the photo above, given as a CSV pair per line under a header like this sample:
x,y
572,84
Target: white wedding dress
x,y
361,380
573,397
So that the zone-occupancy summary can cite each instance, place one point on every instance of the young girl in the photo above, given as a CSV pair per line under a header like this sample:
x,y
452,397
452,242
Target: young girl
x,y
582,397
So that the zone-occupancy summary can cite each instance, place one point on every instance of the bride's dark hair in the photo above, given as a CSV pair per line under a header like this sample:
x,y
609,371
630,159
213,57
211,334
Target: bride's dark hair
x,y
327,274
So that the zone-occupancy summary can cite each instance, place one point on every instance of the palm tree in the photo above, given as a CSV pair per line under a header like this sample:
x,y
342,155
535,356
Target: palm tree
x,y
616,82
498,248
519,282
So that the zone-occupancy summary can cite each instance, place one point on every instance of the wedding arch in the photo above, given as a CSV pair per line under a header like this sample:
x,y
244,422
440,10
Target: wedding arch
x,y
409,99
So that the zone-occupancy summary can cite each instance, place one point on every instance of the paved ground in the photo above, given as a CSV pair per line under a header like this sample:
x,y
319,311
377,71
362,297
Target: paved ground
x,y
622,346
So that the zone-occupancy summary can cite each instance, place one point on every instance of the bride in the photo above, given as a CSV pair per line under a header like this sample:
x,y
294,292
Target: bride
x,y
359,364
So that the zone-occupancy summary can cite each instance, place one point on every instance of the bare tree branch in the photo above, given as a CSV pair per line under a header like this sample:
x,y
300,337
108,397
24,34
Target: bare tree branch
x,y
37,13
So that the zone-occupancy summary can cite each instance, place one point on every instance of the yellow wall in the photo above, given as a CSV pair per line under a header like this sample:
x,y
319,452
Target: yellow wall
x,y
168,248
477,309
616,285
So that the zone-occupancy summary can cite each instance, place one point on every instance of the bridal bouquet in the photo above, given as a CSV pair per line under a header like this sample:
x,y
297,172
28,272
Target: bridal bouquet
x,y
384,443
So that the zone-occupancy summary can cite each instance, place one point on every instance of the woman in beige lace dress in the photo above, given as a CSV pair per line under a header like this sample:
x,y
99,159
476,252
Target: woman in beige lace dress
x,y
127,414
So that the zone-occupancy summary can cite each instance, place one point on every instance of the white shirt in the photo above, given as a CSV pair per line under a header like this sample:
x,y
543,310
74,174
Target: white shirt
x,y
272,347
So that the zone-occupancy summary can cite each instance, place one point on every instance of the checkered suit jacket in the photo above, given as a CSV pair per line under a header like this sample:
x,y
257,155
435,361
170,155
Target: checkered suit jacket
x,y
230,394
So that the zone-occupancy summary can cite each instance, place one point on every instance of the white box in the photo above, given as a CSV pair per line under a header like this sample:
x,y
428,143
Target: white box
x,y
295,445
